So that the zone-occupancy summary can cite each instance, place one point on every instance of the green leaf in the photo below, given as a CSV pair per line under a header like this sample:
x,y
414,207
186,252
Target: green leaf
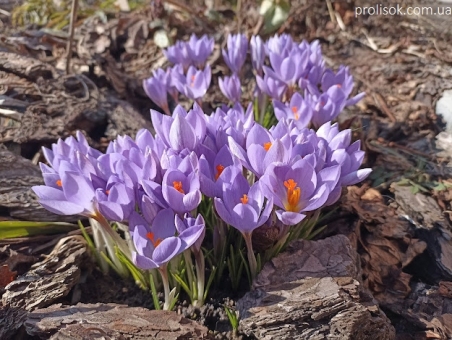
x,y
232,316
12,229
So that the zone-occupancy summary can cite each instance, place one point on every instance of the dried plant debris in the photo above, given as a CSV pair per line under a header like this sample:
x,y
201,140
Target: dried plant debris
x,y
387,245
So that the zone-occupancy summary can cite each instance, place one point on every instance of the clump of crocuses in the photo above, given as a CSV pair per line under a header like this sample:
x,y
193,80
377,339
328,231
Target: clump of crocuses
x,y
206,175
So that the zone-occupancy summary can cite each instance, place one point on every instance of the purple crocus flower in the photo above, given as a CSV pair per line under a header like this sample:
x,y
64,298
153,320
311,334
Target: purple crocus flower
x,y
262,149
341,152
199,49
195,84
178,54
298,188
210,174
271,86
327,106
69,192
288,69
156,245
242,206
181,191
257,53
298,109
155,89
235,54
342,80
281,44
183,130
230,86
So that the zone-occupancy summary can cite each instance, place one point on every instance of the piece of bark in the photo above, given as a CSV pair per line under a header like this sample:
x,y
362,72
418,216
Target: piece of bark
x,y
89,321
11,320
313,291
387,245
50,279
26,67
431,226
17,176
429,310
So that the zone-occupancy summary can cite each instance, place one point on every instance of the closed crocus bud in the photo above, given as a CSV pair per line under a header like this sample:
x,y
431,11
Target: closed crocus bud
x,y
230,86
235,54
199,49
156,90
257,53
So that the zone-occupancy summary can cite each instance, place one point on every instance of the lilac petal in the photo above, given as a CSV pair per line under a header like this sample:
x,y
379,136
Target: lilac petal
x,y
135,219
77,189
245,218
48,193
266,212
143,262
318,199
181,135
355,177
334,196
257,154
222,211
164,224
191,200
62,207
274,154
154,191
289,218
190,235
167,249
111,210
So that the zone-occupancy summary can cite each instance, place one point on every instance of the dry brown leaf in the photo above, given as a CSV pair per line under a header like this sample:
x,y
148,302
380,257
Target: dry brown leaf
x,y
6,276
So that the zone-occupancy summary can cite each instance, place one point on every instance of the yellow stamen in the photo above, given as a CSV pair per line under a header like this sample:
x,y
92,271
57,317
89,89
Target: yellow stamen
x,y
178,186
293,195
267,146
220,169
244,199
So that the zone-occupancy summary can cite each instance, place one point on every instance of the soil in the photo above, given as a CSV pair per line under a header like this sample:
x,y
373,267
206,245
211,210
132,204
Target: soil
x,y
403,63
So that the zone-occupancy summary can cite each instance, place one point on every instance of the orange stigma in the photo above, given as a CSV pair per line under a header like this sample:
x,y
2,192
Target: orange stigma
x,y
295,112
192,84
244,199
178,186
59,183
107,192
267,146
339,85
151,237
293,195
220,169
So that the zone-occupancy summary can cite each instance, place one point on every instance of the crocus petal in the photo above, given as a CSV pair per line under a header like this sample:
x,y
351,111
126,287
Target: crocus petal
x,y
143,262
62,207
289,218
167,249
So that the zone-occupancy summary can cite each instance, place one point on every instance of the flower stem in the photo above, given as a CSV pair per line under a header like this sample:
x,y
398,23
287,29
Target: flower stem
x,y
200,275
164,274
250,253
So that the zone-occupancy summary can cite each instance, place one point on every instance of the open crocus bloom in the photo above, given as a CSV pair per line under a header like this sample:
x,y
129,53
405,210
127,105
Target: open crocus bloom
x,y
298,188
156,245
